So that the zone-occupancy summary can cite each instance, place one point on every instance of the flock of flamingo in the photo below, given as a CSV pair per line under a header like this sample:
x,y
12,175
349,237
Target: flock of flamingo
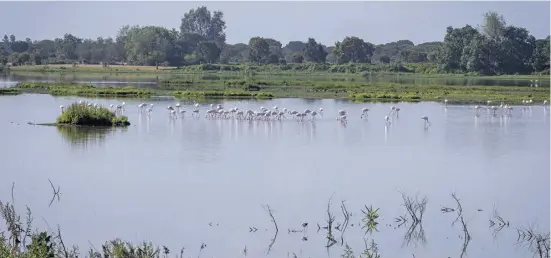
x,y
264,114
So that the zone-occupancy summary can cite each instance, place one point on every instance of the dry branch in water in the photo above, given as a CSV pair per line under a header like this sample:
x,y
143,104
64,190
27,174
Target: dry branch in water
x,y
56,192
416,209
270,212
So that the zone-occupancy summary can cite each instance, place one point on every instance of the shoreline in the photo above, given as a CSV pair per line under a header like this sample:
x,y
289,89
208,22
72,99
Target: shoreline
x,y
360,92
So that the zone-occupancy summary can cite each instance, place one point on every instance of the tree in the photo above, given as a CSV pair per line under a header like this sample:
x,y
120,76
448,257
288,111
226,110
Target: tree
x,y
234,53
540,58
314,52
384,59
475,56
274,46
452,49
200,21
353,49
210,53
259,50
3,54
494,26
517,49
150,45
297,58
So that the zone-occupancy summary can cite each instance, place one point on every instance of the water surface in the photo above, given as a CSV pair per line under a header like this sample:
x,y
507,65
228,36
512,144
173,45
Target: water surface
x,y
165,180
152,80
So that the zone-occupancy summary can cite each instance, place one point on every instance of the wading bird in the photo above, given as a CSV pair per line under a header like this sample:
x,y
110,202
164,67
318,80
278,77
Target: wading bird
x,y
426,118
364,113
387,120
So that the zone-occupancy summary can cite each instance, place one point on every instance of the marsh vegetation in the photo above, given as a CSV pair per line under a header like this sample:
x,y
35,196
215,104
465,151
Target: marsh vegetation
x,y
86,114
360,91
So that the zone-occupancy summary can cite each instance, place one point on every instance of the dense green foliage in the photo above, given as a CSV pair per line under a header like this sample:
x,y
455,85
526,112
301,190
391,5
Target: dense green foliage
x,y
496,48
76,89
85,114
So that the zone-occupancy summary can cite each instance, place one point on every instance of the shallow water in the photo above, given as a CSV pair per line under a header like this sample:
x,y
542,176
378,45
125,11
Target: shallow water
x,y
151,80
165,180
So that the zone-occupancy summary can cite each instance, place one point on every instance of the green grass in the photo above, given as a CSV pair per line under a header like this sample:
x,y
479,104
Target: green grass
x,y
74,89
355,90
312,69
84,114
221,94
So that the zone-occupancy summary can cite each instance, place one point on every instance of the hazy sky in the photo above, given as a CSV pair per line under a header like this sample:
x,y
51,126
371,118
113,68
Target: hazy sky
x,y
327,22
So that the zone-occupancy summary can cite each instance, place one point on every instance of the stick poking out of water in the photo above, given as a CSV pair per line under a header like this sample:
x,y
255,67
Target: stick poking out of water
x,y
56,193
270,212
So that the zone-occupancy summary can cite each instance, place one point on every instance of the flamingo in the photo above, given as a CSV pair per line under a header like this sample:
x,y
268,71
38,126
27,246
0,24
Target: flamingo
x,y
392,109
387,120
426,118
342,118
364,113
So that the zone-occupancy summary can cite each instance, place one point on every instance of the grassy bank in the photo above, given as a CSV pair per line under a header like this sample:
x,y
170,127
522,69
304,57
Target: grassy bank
x,y
9,91
74,89
414,69
88,115
362,91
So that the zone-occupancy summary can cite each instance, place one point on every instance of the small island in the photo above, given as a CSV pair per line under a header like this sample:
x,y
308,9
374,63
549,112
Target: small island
x,y
84,114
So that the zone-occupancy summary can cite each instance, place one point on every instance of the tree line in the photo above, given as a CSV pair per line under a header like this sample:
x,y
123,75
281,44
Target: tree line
x,y
493,48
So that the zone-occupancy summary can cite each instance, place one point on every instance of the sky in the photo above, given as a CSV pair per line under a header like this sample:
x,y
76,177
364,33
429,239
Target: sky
x,y
327,22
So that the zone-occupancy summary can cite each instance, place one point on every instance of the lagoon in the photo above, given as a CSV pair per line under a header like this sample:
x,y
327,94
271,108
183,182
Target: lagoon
x,y
165,180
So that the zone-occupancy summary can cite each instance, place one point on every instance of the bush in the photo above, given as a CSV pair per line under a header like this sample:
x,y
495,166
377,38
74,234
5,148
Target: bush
x,y
84,114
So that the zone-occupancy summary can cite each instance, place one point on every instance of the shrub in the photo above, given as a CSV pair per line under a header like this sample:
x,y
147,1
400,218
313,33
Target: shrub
x,y
85,114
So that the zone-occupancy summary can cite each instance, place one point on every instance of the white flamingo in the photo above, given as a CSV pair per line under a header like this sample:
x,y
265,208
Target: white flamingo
x,y
364,113
392,109
426,118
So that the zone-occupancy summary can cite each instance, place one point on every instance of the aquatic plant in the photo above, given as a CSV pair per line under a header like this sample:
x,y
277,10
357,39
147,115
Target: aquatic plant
x,y
371,250
84,114
370,219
